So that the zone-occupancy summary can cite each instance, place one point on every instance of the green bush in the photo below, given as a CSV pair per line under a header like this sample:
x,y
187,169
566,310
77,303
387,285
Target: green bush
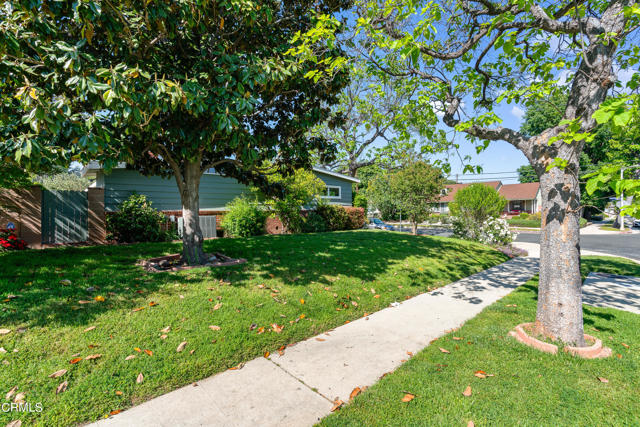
x,y
357,217
335,216
360,201
536,215
523,215
583,222
314,223
244,218
137,221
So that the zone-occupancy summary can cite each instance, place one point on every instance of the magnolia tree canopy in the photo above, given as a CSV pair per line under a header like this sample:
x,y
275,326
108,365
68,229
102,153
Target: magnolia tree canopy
x,y
169,87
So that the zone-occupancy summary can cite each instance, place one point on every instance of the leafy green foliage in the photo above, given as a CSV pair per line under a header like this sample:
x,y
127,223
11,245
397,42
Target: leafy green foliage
x,y
244,218
314,223
300,189
137,221
13,176
379,196
526,173
63,181
335,216
472,207
415,188
360,201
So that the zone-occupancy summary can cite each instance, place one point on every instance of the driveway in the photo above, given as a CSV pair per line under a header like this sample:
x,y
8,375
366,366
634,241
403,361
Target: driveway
x,y
627,245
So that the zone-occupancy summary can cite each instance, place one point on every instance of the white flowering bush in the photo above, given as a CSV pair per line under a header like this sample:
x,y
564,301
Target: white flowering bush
x,y
493,231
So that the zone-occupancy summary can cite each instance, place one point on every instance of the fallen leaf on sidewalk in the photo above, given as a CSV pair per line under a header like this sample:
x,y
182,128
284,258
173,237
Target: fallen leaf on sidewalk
x,y
337,404
467,391
266,354
116,412
444,350
408,397
356,391
320,339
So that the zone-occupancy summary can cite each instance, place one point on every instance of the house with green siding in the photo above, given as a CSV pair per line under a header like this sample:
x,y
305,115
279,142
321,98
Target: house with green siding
x,y
216,191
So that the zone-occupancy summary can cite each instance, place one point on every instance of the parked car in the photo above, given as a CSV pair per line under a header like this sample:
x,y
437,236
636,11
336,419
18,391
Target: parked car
x,y
379,224
636,223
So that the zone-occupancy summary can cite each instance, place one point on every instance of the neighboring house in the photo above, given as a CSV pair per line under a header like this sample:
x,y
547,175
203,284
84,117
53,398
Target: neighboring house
x,y
521,197
216,191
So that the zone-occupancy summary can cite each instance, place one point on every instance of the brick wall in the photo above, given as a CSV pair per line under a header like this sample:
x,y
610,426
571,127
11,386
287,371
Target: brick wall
x,y
23,207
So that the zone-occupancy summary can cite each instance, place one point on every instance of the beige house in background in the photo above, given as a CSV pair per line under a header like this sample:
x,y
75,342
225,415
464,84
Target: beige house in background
x,y
521,197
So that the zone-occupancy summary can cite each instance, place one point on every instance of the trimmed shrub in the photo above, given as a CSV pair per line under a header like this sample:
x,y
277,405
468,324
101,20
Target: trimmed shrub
x,y
244,218
523,215
335,216
314,223
10,242
137,221
357,217
536,215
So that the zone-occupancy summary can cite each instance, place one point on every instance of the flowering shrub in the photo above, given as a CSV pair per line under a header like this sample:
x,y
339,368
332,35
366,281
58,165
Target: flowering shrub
x,y
493,231
10,242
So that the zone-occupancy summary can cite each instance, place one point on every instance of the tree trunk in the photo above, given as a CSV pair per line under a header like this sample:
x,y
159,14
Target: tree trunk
x,y
559,313
192,251
414,228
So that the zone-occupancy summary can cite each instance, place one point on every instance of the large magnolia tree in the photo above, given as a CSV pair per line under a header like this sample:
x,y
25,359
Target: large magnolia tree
x,y
473,54
173,88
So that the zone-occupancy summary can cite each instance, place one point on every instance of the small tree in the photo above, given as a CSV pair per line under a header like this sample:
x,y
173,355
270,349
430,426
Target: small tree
x,y
415,188
299,190
474,205
244,218
378,193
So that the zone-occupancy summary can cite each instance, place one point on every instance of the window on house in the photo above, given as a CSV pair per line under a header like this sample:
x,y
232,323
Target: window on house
x,y
333,192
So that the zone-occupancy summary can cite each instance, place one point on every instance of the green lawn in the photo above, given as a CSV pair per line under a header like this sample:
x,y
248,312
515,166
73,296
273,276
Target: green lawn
x,y
529,388
305,283
534,223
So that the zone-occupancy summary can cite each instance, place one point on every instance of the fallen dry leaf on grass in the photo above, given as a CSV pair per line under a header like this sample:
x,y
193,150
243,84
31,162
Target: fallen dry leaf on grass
x,y
116,412
376,296
444,350
480,374
93,357
149,352
266,354
5,331
166,330
75,360
15,423
118,393
624,345
603,380
408,397
138,349
356,391
276,328
59,373
62,387
133,356
90,328
84,301
11,393
457,338
140,378
337,404
19,398
163,336
217,306
181,347
214,327
467,391
471,424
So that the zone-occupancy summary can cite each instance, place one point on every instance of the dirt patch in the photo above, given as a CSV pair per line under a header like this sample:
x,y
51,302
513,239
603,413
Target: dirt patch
x,y
174,262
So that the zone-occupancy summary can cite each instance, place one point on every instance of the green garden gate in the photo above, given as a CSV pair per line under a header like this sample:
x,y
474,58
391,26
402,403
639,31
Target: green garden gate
x,y
64,216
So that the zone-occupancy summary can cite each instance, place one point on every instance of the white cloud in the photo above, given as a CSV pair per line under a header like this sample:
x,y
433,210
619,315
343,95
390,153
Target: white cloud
x,y
517,111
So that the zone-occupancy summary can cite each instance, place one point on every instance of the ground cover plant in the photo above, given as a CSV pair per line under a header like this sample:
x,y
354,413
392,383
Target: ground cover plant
x,y
510,383
95,307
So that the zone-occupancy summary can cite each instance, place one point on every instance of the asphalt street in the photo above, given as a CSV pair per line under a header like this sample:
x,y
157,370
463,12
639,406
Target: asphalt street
x,y
627,245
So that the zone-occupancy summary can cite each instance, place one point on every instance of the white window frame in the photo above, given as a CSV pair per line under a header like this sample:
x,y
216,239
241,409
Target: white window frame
x,y
327,196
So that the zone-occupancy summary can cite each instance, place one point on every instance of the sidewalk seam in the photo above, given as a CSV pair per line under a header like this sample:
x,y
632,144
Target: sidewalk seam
x,y
300,381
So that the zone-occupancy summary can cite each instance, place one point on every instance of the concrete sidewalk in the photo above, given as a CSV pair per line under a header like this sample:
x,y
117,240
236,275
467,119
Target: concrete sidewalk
x,y
297,389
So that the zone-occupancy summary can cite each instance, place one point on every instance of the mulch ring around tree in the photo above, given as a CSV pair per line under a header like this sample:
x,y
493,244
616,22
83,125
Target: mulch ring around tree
x,y
174,262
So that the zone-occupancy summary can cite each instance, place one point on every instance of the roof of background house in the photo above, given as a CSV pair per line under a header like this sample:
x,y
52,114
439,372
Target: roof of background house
x,y
452,189
92,167
525,191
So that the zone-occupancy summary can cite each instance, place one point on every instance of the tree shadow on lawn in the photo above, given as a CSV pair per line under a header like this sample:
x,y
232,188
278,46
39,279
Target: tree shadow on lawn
x,y
320,257
49,284
38,277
